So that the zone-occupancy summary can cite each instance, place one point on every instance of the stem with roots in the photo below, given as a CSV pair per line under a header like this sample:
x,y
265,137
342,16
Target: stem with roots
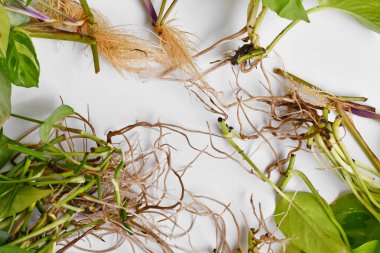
x,y
66,36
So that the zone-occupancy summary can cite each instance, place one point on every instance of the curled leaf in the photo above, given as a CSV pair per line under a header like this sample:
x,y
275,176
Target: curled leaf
x,y
59,114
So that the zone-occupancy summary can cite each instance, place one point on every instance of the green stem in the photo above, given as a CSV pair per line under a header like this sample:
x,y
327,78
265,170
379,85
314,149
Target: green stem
x,y
168,12
67,36
78,191
73,130
161,13
87,11
361,184
349,124
64,235
227,134
27,151
288,176
259,20
44,229
311,86
287,29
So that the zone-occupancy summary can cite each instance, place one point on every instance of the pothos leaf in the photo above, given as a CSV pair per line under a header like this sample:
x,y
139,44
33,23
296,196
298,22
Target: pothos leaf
x,y
59,114
4,31
307,225
358,223
366,12
5,95
20,198
369,247
5,153
7,249
22,63
289,9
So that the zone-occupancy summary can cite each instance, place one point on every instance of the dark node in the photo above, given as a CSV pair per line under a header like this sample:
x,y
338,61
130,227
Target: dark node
x,y
308,146
245,49
92,149
231,128
214,250
327,136
292,155
353,160
220,119
323,120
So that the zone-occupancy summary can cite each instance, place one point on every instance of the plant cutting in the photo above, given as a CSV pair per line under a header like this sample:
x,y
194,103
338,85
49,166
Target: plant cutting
x,y
174,42
250,54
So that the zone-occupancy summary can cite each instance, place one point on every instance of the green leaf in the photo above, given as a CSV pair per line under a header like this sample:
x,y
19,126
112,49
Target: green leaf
x,y
59,114
19,199
3,237
289,9
4,31
5,153
23,66
358,223
307,225
5,95
366,12
369,247
7,249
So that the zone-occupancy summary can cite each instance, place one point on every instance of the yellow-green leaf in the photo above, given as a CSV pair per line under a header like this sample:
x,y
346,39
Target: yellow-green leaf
x,y
366,12
19,199
59,114
307,226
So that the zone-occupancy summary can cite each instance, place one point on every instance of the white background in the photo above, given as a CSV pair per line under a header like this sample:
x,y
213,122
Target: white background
x,y
333,52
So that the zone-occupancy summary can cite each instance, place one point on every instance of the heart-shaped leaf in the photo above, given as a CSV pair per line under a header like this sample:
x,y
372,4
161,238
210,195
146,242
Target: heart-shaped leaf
x,y
4,31
289,9
358,223
366,12
23,66
59,114
307,226
19,199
